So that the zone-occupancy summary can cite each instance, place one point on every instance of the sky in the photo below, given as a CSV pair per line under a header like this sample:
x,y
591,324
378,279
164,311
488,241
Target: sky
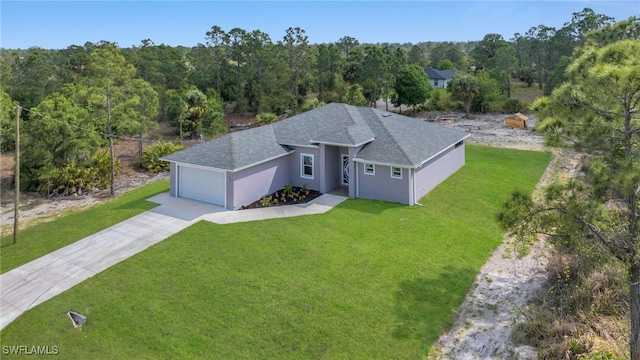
x,y
59,24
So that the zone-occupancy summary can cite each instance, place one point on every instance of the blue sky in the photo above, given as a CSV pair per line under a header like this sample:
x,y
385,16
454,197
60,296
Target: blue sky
x,y
57,24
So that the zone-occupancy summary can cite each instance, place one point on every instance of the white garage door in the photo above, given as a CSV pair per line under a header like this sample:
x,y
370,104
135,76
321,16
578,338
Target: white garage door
x,y
201,185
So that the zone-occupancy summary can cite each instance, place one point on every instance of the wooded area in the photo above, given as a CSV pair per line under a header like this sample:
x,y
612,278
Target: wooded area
x,y
76,100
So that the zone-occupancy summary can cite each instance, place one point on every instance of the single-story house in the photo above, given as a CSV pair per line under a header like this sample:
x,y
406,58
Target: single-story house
x,y
439,78
372,153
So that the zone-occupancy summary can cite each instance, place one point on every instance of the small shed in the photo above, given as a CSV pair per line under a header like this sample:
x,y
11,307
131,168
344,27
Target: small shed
x,y
517,121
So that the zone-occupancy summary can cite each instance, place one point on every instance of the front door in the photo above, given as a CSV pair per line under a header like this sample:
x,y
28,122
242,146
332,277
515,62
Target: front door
x,y
345,170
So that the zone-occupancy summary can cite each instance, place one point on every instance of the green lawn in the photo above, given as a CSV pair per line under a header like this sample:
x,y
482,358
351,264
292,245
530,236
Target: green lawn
x,y
367,280
44,238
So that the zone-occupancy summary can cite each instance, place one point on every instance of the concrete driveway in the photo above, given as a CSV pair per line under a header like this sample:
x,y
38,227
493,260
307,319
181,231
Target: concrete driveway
x,y
39,280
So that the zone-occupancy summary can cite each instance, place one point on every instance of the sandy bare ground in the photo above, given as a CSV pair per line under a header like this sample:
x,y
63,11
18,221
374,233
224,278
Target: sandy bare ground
x,y
496,299
499,295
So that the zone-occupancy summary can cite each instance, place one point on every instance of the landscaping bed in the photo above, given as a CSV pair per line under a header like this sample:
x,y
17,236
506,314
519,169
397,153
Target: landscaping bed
x,y
289,195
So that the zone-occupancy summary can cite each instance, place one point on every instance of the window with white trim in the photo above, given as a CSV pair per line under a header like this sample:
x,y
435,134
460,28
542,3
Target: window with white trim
x,y
396,172
306,166
369,169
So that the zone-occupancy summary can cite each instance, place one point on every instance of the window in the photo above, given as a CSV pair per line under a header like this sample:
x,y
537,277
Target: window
x,y
396,172
369,169
306,166
435,82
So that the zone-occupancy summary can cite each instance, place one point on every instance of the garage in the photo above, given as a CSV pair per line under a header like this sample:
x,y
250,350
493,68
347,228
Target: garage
x,y
202,185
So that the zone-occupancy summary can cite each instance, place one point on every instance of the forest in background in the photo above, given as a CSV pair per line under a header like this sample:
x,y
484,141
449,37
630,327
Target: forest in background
x,y
75,100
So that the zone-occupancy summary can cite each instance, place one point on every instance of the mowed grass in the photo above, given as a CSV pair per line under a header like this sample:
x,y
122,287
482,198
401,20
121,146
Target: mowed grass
x,y
367,280
41,239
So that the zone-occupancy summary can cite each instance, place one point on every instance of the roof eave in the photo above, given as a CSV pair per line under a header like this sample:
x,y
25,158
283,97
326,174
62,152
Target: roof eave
x,y
231,170
440,152
182,163
362,161
312,146
345,145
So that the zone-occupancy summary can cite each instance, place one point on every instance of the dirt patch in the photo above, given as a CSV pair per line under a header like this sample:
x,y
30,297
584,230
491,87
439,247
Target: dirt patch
x,y
490,130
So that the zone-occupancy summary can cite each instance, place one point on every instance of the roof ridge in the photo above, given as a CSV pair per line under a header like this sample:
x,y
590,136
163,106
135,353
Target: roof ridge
x,y
232,142
379,118
357,118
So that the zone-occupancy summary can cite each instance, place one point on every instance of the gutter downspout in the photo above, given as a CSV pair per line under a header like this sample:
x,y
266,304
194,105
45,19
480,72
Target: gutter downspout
x,y
357,181
412,186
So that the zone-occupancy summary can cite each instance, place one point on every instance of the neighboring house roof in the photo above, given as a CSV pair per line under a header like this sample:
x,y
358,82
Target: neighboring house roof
x,y
434,74
388,138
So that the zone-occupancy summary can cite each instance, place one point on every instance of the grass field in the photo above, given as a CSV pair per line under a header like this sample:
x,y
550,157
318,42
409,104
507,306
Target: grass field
x,y
525,94
44,238
365,280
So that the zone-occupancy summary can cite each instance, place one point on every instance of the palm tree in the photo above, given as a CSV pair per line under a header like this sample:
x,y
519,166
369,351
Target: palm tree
x,y
464,88
197,109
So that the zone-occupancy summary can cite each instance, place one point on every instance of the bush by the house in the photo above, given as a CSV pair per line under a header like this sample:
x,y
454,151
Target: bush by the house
x,y
151,155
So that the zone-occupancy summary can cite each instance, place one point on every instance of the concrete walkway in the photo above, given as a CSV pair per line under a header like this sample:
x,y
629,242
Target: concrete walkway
x,y
39,280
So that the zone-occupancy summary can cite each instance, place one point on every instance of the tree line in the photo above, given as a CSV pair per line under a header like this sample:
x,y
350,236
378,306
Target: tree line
x,y
80,97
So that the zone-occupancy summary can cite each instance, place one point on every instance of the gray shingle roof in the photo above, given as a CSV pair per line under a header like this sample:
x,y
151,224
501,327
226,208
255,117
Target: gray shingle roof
x,y
331,124
404,141
388,138
434,74
233,151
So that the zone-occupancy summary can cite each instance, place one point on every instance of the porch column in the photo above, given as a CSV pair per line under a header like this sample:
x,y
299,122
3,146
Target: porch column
x,y
322,166
353,180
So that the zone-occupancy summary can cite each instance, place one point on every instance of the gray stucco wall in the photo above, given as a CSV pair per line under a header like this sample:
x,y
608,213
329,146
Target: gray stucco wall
x,y
294,163
173,179
249,185
437,170
382,186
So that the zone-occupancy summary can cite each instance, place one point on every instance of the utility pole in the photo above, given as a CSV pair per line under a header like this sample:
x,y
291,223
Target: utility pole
x,y
16,202
113,166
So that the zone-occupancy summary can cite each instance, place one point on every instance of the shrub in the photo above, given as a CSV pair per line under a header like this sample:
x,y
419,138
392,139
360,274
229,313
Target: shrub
x,y
311,104
440,100
151,155
265,200
213,124
73,179
512,106
577,314
101,169
266,118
